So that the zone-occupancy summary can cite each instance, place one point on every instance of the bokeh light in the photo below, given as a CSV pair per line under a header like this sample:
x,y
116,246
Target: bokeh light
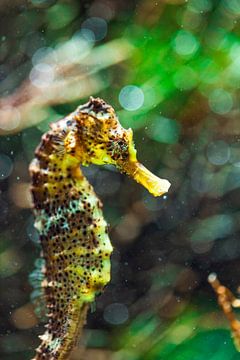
x,y
220,101
20,194
88,35
218,152
96,26
233,6
185,43
206,231
24,317
116,314
10,118
41,54
42,75
200,6
131,97
104,9
164,130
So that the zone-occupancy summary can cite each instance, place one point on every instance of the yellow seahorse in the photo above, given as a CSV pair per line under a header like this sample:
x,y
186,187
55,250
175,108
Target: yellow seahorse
x,y
75,257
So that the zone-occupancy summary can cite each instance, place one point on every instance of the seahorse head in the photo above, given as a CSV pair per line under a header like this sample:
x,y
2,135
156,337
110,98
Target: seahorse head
x,y
102,140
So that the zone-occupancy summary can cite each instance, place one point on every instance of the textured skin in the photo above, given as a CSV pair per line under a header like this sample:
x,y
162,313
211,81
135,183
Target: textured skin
x,y
73,233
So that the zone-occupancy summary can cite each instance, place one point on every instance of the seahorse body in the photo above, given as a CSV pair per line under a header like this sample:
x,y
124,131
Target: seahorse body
x,y
76,249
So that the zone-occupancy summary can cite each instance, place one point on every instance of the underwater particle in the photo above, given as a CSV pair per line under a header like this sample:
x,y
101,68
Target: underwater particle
x,y
164,130
131,97
185,44
220,101
6,166
218,152
41,75
97,26
116,314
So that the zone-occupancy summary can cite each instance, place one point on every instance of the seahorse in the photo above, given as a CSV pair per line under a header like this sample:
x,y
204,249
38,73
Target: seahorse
x,y
227,301
74,264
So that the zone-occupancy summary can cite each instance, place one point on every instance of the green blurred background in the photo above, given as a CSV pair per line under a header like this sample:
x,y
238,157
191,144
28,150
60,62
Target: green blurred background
x,y
171,69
